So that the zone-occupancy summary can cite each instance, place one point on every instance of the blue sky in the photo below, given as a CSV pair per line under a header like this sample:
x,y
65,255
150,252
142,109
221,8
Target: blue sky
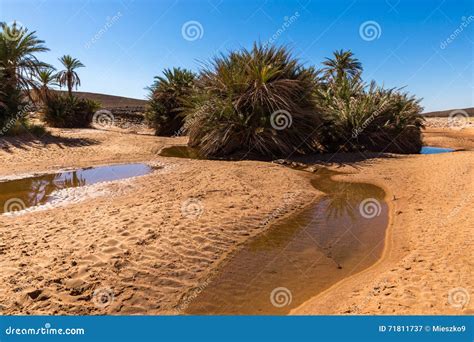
x,y
125,43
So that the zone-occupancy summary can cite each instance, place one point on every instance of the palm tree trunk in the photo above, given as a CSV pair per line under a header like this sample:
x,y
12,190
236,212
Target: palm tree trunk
x,y
69,85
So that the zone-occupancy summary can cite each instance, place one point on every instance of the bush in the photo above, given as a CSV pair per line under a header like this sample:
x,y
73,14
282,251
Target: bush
x,y
358,117
165,106
12,108
19,128
258,100
68,111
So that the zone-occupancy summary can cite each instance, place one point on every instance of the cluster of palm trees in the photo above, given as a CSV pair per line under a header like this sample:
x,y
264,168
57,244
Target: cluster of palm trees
x,y
264,102
47,76
24,78
261,101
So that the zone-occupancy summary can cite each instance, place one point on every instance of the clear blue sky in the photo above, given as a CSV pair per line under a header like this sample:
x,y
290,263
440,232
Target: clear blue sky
x,y
143,37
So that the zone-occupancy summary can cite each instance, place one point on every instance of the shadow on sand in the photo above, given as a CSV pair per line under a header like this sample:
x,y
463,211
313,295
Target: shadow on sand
x,y
28,140
354,159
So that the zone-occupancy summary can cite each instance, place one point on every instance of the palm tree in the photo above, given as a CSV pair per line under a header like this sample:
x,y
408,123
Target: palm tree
x,y
343,64
45,78
167,94
17,55
256,101
18,64
69,76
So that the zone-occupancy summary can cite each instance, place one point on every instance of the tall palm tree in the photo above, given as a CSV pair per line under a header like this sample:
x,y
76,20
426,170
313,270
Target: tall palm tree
x,y
18,65
69,76
17,55
343,64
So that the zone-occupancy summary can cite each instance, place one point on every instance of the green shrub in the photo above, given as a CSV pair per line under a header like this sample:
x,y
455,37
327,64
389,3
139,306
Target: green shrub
x,y
37,130
68,111
360,117
13,110
19,128
165,106
256,101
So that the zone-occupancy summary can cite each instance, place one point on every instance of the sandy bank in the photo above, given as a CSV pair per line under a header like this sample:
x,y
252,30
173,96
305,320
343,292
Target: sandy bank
x,y
427,263
142,250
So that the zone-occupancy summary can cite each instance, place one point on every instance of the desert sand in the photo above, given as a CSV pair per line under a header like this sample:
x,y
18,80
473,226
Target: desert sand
x,y
153,240
428,249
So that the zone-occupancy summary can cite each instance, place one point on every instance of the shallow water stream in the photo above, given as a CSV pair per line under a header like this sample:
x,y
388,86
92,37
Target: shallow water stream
x,y
22,193
435,150
300,256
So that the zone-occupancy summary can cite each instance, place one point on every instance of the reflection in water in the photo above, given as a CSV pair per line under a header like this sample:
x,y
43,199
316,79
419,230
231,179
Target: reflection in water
x,y
180,152
33,191
300,256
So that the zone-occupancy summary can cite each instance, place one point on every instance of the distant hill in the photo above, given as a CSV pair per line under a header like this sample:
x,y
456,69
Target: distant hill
x,y
110,101
445,113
